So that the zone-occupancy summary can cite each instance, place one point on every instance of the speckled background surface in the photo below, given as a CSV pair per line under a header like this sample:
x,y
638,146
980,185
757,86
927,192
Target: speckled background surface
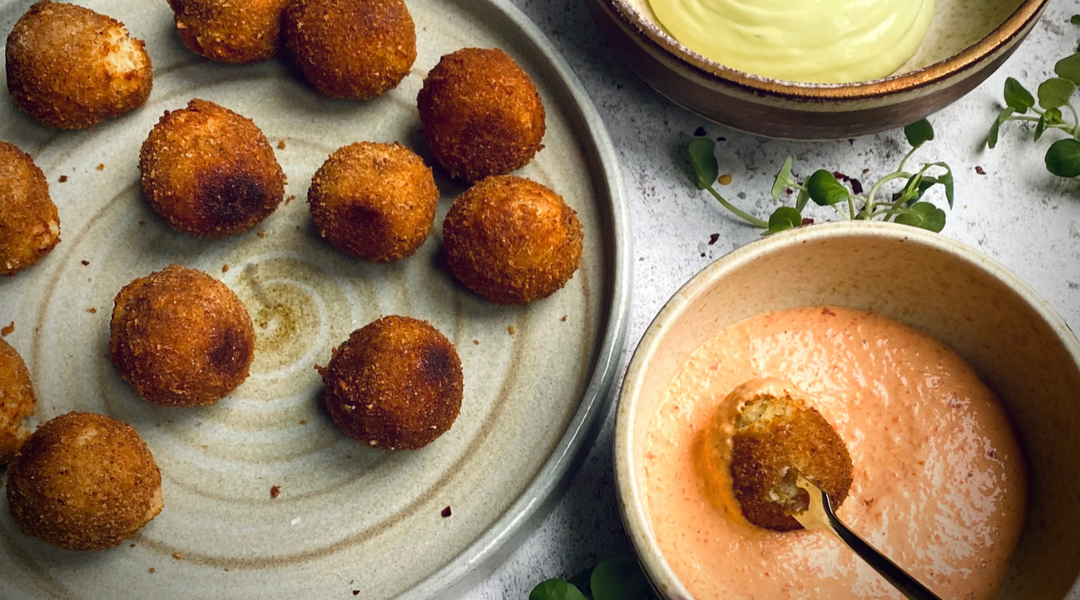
x,y
1017,213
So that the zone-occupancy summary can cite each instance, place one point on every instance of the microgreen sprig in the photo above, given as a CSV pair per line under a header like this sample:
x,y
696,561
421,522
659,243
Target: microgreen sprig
x,y
615,578
1053,111
905,205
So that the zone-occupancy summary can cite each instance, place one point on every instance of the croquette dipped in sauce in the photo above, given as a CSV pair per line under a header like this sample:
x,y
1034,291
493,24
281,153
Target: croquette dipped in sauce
x,y
512,240
210,172
374,201
351,48
69,67
230,31
181,337
17,401
394,384
481,114
29,222
84,482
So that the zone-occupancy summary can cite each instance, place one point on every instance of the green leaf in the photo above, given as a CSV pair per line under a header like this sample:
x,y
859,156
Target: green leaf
x,y
1075,20
825,190
1055,92
1069,68
800,202
1040,127
1053,116
783,179
782,219
946,180
556,589
706,169
919,132
992,137
914,188
1017,97
924,215
1063,158
620,578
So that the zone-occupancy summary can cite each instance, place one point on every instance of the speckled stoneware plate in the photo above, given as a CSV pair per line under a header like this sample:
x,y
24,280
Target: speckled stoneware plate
x,y
350,521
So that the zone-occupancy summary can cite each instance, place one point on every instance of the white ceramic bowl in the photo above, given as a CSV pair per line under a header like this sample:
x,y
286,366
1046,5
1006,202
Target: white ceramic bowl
x,y
1016,343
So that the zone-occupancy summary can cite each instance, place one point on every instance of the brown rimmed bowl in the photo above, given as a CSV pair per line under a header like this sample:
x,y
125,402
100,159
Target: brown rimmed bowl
x,y
1012,338
967,42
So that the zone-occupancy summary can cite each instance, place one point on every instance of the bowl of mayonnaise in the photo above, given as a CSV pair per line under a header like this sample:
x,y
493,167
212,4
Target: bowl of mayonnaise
x,y
815,69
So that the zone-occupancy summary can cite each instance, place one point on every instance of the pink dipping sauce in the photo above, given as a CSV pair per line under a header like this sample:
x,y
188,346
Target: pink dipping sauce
x,y
939,481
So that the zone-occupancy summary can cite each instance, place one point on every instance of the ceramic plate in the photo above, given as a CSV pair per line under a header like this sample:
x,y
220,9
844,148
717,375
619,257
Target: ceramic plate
x,y
350,520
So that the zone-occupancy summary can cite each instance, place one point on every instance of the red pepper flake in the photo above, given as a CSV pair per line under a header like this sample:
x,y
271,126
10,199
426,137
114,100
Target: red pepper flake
x,y
476,342
807,221
446,512
712,240
101,167
281,145
261,234
142,223
91,310
356,592
7,330
826,311
303,421
133,545
86,263
563,319
153,570
275,491
511,330
224,268
63,179
980,170
290,199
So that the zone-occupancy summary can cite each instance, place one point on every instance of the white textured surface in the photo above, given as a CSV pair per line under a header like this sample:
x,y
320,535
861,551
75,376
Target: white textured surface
x,y
1016,213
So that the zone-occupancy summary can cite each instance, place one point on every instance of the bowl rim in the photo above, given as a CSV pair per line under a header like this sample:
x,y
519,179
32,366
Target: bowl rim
x,y
1001,37
631,505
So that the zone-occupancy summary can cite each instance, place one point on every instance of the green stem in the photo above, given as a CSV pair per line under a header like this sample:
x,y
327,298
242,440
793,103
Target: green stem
x,y
749,218
898,174
1076,118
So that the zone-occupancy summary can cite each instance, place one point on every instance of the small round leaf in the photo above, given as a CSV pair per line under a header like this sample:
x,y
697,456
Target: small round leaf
x,y
1069,68
1063,158
825,190
783,218
919,132
1055,92
706,169
619,578
556,589
1017,97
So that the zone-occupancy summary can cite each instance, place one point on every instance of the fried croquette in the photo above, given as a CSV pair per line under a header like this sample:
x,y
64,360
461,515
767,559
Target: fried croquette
x,y
181,337
84,482
351,48
210,172
512,240
776,438
374,201
29,222
481,114
69,67
230,31
395,384
17,401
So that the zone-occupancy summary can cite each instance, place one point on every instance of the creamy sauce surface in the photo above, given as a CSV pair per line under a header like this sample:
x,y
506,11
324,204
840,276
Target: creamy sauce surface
x,y
815,41
939,482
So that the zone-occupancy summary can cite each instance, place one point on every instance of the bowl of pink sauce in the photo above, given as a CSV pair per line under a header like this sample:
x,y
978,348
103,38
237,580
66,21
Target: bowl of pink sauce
x,y
954,386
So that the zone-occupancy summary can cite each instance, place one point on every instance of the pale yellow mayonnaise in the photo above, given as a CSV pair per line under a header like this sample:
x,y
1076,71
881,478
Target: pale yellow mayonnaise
x,y
814,41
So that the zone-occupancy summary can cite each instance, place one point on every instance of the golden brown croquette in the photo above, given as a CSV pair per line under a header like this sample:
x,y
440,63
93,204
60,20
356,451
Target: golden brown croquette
x,y
512,240
84,482
481,114
29,222
394,384
776,439
374,201
351,48
69,67
181,337
230,31
17,401
209,171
